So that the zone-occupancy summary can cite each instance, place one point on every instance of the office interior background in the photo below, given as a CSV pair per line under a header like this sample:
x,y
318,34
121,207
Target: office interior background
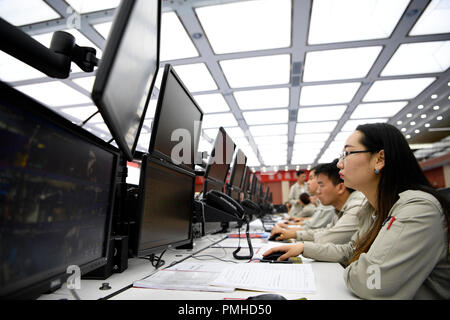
x,y
289,80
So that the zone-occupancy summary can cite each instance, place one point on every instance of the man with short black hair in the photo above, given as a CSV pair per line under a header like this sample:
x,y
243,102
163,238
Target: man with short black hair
x,y
294,194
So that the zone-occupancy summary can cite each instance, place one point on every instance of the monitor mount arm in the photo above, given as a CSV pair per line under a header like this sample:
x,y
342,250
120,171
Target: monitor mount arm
x,y
54,62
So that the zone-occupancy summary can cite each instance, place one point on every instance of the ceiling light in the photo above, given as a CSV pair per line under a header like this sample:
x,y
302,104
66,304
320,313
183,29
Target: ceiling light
x,y
433,57
433,20
420,106
217,120
416,131
36,11
397,89
328,93
403,130
349,63
262,99
423,116
434,96
413,123
266,117
257,71
210,103
427,125
351,125
247,25
409,115
80,113
339,21
103,28
12,69
408,136
435,107
311,137
439,118
399,122
82,6
315,127
269,130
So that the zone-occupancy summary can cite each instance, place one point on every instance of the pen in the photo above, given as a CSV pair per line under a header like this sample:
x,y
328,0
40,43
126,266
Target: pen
x,y
390,223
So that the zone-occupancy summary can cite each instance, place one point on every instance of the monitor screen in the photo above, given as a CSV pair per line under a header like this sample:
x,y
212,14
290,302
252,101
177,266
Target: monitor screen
x,y
127,70
246,180
56,197
237,171
166,204
177,124
221,157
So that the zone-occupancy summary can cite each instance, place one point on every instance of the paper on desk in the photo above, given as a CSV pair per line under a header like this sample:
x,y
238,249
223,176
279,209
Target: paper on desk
x,y
291,278
233,243
185,276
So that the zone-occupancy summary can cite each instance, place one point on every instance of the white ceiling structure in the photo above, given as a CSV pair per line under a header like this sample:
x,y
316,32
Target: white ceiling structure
x,y
288,79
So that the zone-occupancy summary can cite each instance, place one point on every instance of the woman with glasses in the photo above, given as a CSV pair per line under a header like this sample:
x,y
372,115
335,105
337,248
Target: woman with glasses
x,y
401,250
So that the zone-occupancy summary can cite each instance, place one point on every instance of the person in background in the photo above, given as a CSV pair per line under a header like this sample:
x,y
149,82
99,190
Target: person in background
x,y
307,207
401,250
346,202
294,204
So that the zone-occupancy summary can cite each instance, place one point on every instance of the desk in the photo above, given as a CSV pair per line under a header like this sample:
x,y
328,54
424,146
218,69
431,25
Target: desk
x,y
328,277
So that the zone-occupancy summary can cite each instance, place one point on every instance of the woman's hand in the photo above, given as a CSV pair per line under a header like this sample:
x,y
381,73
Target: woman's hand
x,y
290,250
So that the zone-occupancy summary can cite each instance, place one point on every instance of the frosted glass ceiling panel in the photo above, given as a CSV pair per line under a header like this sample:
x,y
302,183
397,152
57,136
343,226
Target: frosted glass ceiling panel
x,y
320,113
269,130
217,120
266,117
328,93
196,77
36,11
80,113
311,137
378,110
433,56
339,64
257,71
86,83
262,99
435,19
210,103
84,6
351,125
397,89
315,127
353,20
247,25
12,69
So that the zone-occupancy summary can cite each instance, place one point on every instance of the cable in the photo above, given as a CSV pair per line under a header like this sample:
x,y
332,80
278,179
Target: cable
x,y
209,255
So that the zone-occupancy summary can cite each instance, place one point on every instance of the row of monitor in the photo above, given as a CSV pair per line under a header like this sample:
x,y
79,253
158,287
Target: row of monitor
x,y
59,183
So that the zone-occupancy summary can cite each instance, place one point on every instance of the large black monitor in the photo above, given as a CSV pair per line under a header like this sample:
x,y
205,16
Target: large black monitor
x,y
57,186
221,157
127,70
165,207
177,125
253,187
246,182
237,174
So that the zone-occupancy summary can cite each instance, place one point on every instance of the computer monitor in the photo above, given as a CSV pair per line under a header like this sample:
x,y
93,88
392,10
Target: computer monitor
x,y
165,207
253,187
266,195
237,174
127,71
246,182
57,184
220,159
177,124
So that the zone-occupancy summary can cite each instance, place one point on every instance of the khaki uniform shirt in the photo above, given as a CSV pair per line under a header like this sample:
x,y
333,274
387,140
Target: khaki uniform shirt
x,y
294,195
323,215
339,231
306,211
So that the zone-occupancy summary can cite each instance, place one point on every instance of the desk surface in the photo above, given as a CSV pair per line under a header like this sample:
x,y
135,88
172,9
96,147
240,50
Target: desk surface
x,y
328,277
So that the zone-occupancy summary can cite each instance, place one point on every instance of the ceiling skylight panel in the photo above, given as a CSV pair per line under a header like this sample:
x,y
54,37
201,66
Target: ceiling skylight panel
x,y
80,113
353,20
103,29
210,103
351,125
151,109
435,19
269,130
257,71
212,133
54,93
378,110
349,63
328,93
84,6
12,69
196,77
271,140
262,99
306,146
311,137
36,11
87,83
217,120
315,127
304,158
175,41
247,25
320,113
398,89
266,117
416,58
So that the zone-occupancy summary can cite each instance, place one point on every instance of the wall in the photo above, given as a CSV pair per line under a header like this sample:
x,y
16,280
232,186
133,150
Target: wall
x,y
437,171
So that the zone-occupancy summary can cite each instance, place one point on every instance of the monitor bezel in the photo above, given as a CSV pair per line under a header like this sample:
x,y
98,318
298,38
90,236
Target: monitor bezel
x,y
237,187
213,153
52,282
104,70
137,251
168,68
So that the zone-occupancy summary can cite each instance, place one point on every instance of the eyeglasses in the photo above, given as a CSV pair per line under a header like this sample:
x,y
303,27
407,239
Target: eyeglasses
x,y
344,154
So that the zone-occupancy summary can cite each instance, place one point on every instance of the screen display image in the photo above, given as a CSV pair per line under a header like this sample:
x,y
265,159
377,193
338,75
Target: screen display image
x,y
166,208
55,196
177,125
127,71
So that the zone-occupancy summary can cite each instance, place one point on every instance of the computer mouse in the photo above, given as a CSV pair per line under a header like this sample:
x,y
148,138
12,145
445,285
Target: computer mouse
x,y
273,256
274,236
267,296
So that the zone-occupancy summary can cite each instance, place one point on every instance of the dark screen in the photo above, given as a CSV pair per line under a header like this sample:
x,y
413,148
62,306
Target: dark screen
x,y
167,208
128,69
238,169
55,197
177,125
246,181
221,157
